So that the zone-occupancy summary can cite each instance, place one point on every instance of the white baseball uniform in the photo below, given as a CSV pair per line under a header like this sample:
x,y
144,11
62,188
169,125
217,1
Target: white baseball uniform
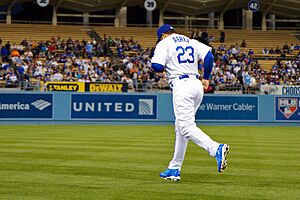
x,y
180,55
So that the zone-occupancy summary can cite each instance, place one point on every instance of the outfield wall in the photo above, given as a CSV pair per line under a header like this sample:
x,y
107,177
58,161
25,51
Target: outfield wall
x,y
145,108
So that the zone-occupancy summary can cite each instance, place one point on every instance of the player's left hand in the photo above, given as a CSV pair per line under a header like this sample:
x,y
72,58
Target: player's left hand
x,y
205,84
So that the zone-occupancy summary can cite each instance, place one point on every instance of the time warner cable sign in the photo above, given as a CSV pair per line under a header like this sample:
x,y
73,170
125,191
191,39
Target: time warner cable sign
x,y
26,105
239,108
95,106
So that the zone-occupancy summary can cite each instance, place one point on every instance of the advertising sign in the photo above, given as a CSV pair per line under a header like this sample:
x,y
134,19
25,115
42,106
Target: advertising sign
x,y
271,89
240,108
287,108
280,90
65,86
291,90
106,87
26,105
91,106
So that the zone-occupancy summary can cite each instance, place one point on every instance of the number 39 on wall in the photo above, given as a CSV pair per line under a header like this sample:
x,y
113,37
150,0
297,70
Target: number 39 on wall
x,y
150,5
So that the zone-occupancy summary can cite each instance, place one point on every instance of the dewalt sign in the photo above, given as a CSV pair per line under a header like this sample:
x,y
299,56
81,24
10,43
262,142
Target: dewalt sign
x,y
106,87
65,86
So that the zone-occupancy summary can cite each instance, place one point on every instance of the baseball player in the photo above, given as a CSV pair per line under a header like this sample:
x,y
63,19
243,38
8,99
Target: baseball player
x,y
179,56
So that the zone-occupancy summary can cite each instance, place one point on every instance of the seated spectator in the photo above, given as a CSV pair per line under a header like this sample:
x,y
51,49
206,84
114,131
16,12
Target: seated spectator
x,y
57,76
238,48
24,43
222,47
15,53
17,47
193,34
233,50
7,45
11,79
271,51
52,47
222,37
265,50
277,50
204,35
251,52
252,82
297,47
89,49
243,44
163,82
5,52
286,48
201,36
211,39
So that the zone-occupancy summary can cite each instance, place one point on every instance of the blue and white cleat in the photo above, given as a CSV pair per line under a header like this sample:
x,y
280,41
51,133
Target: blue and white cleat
x,y
220,156
170,174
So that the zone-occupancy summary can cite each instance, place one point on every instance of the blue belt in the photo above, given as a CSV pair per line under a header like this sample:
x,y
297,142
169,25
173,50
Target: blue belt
x,y
187,76
183,77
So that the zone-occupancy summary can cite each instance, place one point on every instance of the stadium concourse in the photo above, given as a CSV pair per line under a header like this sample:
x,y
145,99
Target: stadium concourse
x,y
121,58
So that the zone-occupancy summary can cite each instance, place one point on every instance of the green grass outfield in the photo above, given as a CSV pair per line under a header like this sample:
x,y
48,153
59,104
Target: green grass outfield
x,y
123,162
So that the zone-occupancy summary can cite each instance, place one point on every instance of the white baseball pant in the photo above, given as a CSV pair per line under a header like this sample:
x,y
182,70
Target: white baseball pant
x,y
187,97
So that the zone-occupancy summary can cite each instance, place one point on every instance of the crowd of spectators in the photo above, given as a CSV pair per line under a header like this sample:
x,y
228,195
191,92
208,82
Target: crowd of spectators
x,y
203,36
237,66
124,60
283,51
106,60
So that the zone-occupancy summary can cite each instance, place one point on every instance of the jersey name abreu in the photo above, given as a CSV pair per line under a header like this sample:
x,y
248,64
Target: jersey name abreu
x,y
179,38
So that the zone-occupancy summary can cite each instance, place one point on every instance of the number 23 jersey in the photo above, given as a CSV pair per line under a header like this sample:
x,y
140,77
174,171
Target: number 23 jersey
x,y
180,55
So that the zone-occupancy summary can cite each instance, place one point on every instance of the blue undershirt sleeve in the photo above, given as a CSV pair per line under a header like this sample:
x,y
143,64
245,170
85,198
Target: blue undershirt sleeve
x,y
157,67
208,65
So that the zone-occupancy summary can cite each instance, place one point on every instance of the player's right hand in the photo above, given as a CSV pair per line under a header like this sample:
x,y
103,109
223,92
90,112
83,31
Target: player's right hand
x,y
205,84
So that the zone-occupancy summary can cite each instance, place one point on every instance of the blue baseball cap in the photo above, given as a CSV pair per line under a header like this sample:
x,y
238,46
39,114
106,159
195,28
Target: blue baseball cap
x,y
163,29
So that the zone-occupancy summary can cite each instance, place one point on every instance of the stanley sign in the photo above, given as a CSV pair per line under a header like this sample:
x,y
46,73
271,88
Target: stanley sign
x,y
65,86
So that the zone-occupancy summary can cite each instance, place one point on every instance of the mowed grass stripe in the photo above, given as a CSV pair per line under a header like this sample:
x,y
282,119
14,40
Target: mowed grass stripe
x,y
268,160
139,185
123,162
97,167
90,181
74,192
97,141
31,164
